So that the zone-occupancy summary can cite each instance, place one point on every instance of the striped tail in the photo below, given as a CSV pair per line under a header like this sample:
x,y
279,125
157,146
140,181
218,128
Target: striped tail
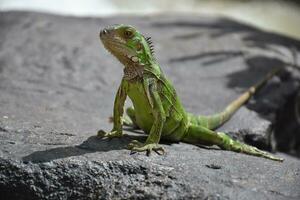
x,y
216,120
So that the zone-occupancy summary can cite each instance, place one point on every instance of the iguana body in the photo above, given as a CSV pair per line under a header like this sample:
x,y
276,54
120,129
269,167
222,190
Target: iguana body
x,y
157,108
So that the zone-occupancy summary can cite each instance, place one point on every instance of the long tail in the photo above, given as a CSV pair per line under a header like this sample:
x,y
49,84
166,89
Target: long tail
x,y
214,121
233,145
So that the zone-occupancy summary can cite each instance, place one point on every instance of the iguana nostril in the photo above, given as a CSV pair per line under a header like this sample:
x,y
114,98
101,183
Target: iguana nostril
x,y
103,32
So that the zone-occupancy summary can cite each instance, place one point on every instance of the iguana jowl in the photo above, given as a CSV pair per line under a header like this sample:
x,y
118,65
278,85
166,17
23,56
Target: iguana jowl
x,y
157,109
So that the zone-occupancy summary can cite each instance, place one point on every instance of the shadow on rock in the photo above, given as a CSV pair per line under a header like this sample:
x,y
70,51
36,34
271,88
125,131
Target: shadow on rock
x,y
262,51
212,56
223,27
91,145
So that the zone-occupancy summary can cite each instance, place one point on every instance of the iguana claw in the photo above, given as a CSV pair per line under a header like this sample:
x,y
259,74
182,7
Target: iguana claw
x,y
136,146
111,134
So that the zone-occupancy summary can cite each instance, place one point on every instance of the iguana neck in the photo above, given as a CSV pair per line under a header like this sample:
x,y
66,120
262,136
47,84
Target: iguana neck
x,y
132,73
134,67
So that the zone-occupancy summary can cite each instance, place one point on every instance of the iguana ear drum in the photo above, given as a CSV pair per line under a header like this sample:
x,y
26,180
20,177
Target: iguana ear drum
x,y
139,46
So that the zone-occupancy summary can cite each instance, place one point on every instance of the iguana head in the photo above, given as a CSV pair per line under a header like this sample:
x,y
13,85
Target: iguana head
x,y
127,44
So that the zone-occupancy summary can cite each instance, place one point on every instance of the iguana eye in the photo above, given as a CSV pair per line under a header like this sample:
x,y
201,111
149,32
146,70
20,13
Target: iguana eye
x,y
128,34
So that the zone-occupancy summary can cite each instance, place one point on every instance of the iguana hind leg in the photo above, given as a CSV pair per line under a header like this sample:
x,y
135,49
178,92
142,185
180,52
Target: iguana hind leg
x,y
201,135
130,119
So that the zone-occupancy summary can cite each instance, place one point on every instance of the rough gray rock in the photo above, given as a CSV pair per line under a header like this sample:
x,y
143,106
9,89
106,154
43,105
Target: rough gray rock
x,y
57,86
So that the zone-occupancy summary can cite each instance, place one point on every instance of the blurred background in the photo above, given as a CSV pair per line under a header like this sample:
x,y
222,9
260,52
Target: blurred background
x,y
280,16
67,65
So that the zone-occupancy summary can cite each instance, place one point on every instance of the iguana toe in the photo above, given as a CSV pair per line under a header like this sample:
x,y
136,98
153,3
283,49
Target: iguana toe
x,y
136,146
111,134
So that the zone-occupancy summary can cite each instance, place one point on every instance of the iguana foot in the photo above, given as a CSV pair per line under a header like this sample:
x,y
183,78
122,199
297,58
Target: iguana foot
x,y
111,134
128,122
136,146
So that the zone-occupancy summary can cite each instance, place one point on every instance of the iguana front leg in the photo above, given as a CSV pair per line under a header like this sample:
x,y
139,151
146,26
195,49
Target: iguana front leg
x,y
152,142
118,113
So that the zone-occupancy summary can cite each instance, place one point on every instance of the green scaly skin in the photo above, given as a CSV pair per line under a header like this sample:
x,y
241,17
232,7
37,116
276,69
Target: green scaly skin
x,y
157,108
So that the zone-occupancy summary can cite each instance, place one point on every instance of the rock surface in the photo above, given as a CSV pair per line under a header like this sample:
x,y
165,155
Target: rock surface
x,y
57,86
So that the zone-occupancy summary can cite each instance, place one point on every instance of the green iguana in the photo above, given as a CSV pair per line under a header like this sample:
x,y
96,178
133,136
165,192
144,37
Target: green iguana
x,y
157,108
